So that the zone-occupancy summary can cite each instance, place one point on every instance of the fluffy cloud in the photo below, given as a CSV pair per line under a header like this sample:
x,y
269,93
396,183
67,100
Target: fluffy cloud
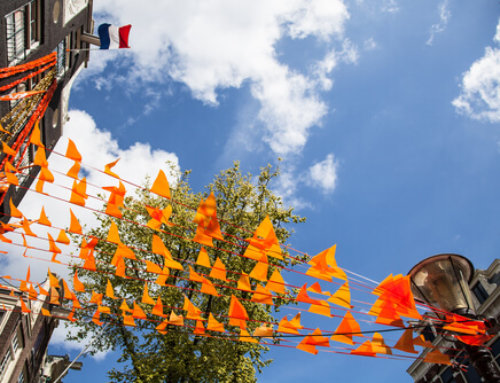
x,y
480,96
323,174
444,17
220,44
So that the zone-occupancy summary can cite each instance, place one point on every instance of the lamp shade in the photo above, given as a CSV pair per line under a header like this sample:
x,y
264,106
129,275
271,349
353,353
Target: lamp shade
x,y
442,281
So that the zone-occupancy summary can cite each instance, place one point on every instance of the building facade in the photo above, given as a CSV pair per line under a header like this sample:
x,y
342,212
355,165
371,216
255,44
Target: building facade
x,y
485,286
29,30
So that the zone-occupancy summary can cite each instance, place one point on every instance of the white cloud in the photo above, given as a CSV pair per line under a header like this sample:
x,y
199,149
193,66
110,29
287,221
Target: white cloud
x,y
323,174
219,44
444,17
390,6
370,44
480,93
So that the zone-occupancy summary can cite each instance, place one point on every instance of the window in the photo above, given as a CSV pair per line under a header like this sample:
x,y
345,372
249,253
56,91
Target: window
x,y
21,377
5,362
62,59
15,343
23,31
480,292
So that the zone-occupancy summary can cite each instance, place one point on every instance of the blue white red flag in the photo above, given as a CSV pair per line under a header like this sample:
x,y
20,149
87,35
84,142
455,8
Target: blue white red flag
x,y
113,37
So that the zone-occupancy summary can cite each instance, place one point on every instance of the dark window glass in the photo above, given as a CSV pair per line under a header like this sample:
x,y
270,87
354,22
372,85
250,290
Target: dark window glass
x,y
447,376
480,292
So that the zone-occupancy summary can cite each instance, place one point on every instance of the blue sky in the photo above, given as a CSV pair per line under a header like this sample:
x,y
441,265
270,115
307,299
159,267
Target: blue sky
x,y
386,114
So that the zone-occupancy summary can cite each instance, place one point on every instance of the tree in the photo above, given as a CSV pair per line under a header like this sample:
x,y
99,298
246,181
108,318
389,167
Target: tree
x,y
178,355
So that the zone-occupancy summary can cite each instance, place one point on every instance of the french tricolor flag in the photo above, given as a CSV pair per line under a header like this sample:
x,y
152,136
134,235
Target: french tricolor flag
x,y
113,37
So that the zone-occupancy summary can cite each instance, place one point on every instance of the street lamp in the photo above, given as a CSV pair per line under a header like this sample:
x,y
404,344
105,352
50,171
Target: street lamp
x,y
442,282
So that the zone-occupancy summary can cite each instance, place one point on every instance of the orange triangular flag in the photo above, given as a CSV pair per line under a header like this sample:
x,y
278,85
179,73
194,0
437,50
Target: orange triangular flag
x,y
263,332
77,285
323,308
125,308
72,152
128,320
193,312
108,167
160,186
436,356
262,295
366,349
46,175
42,290
46,312
109,290
96,298
237,310
194,276
203,258
176,320
68,294
342,296
35,135
218,270
213,324
302,296
113,235
24,309
199,328
202,238
246,337
405,343
74,170
74,226
346,329
8,150
244,282
96,318
145,296
43,220
276,282
379,346
158,308
40,158
259,272
138,313
63,238
14,212
153,267
54,282
208,288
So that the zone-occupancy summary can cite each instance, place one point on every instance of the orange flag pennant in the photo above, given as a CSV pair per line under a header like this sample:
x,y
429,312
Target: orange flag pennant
x,y
109,290
246,337
194,276
158,308
77,285
193,312
54,282
323,308
108,167
125,308
8,150
436,356
199,328
176,320
263,332
202,238
74,170
207,287
203,258
74,226
342,296
72,152
63,238
128,320
346,329
96,318
40,158
96,298
145,296
153,267
113,235
379,346
276,282
236,309
24,309
262,295
365,349
244,282
405,343
43,220
302,296
259,272
160,186
218,270
14,212
35,135
46,175
138,313
213,324
27,229
68,294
